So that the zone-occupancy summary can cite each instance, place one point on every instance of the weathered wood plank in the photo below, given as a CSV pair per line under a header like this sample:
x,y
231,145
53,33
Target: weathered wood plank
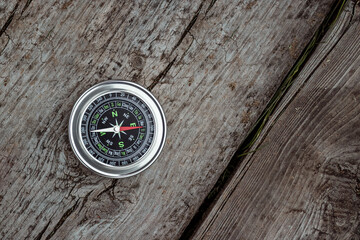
x,y
212,65
303,181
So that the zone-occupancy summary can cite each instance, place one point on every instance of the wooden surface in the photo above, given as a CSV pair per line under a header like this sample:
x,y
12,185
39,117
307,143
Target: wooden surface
x,y
303,182
212,64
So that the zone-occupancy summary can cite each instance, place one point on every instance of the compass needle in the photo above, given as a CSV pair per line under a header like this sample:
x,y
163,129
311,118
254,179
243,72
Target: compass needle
x,y
117,108
128,128
103,130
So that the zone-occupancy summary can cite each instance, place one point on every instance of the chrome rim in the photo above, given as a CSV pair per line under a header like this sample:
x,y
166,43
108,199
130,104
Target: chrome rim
x,y
75,123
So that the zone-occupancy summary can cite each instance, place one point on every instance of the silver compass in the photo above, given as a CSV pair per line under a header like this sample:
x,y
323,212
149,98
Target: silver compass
x,y
117,129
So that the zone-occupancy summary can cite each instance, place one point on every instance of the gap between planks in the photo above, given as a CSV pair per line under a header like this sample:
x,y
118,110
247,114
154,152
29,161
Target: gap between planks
x,y
334,24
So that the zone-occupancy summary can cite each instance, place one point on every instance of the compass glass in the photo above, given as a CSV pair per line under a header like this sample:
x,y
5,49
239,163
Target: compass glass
x,y
117,128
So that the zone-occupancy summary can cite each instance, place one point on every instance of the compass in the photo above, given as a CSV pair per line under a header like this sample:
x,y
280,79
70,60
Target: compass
x,y
117,129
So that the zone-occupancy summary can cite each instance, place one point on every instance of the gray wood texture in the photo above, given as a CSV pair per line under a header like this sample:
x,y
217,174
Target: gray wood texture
x,y
303,182
212,64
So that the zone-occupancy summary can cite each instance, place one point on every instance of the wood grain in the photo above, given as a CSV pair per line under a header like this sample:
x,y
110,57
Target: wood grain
x,y
303,181
213,66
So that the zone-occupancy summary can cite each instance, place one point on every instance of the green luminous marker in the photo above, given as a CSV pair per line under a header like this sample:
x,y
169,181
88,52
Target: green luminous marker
x,y
114,113
106,107
102,148
132,124
102,133
121,144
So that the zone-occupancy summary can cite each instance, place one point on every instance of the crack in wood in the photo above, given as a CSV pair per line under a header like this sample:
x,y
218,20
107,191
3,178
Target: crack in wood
x,y
39,236
2,50
26,6
355,2
85,200
357,187
210,6
188,27
183,35
109,188
161,75
9,20
63,219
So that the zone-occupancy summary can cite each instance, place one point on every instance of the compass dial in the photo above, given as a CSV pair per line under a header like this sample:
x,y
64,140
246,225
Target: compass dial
x,y
117,128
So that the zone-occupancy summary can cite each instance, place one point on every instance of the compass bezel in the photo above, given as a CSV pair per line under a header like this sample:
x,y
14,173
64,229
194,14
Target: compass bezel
x,y
88,97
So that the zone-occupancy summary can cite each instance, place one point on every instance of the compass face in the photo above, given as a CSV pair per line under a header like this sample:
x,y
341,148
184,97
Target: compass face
x,y
117,129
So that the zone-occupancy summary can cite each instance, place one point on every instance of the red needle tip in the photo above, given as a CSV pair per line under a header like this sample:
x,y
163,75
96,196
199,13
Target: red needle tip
x,y
128,128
